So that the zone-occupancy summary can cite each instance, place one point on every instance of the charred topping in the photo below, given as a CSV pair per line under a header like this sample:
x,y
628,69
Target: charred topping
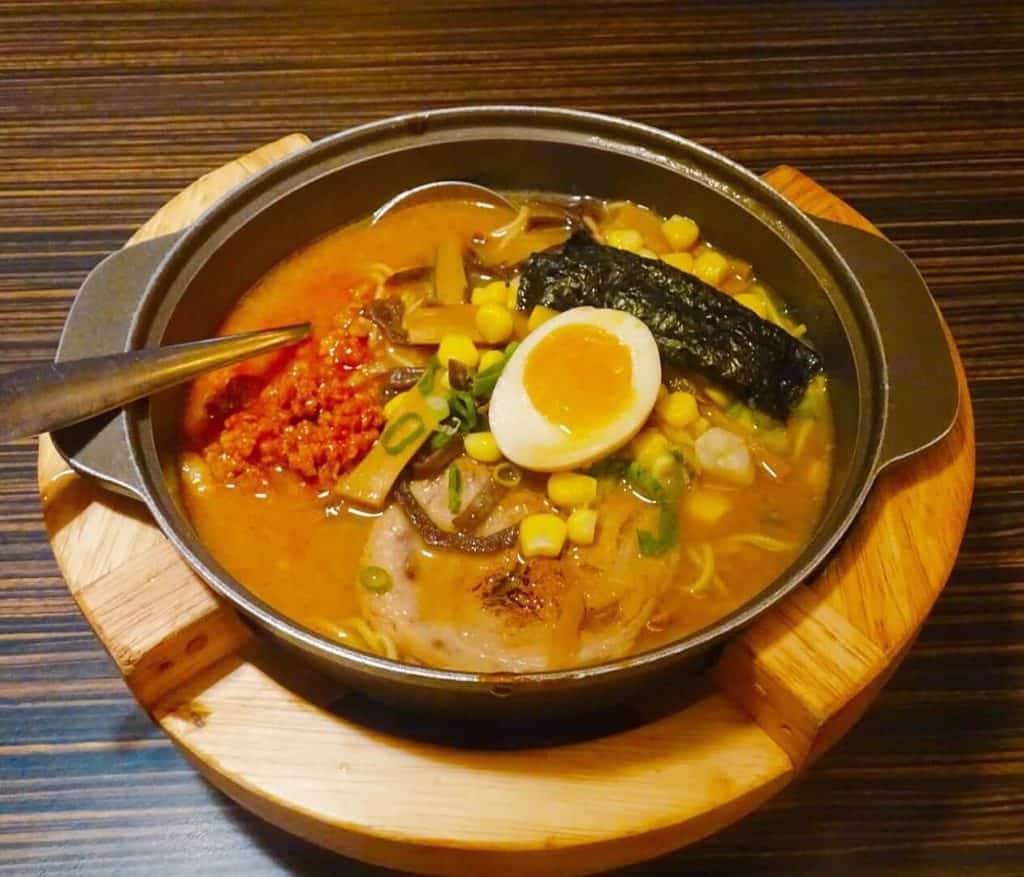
x,y
520,593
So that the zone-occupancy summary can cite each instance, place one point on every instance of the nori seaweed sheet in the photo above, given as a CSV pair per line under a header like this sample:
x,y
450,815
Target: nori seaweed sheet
x,y
696,326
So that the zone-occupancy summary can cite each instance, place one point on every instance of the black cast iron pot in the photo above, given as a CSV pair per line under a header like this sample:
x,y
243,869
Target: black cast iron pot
x,y
868,311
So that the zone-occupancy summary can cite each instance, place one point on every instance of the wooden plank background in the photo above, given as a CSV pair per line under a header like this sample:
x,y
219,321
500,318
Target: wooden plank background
x,y
913,112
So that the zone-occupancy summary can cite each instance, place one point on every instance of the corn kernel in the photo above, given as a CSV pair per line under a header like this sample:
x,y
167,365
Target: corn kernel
x,y
582,526
680,231
700,426
682,261
677,409
755,302
707,506
568,489
711,267
741,268
395,405
542,535
677,436
494,322
663,467
444,379
494,293
648,446
460,347
482,446
491,358
625,239
539,316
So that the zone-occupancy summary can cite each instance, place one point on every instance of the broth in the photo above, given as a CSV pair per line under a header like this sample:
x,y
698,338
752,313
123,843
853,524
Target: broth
x,y
265,442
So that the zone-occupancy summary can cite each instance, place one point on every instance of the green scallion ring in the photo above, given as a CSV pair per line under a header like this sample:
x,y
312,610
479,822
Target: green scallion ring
x,y
507,475
375,578
393,441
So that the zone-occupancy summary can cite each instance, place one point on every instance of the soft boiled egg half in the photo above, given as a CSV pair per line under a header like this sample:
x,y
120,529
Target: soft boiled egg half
x,y
579,387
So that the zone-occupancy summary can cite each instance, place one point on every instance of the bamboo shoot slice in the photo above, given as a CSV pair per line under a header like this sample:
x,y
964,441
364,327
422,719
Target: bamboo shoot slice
x,y
450,273
428,324
370,482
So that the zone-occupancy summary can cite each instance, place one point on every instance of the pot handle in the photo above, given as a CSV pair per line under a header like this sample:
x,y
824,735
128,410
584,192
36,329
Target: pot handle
x,y
923,392
99,323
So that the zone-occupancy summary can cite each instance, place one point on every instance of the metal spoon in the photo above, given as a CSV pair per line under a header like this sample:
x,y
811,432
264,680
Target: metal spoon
x,y
443,190
46,397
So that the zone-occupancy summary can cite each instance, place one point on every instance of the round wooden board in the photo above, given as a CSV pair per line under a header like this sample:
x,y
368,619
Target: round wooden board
x,y
266,731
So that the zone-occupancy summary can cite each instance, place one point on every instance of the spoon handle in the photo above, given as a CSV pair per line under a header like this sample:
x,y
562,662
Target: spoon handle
x,y
46,397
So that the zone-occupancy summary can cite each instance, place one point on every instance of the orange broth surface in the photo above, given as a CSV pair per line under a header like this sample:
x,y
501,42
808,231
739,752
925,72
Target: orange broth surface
x,y
281,531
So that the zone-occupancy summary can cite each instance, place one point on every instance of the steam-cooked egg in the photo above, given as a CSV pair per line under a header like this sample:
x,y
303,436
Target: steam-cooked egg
x,y
579,387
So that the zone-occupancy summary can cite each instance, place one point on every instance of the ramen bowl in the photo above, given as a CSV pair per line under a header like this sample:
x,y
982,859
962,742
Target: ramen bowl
x,y
874,323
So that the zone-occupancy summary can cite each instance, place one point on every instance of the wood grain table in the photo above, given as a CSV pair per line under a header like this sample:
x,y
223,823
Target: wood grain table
x,y
913,112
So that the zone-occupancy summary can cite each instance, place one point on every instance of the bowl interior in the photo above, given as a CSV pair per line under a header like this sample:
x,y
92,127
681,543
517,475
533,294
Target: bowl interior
x,y
232,248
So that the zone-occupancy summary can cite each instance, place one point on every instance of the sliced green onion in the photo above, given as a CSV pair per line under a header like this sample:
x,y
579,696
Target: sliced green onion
x,y
483,383
507,475
426,383
375,578
644,483
463,408
512,347
440,438
402,432
454,489
609,467
652,544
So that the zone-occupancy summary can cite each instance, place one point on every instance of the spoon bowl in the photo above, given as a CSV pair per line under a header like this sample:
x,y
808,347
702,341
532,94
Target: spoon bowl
x,y
443,190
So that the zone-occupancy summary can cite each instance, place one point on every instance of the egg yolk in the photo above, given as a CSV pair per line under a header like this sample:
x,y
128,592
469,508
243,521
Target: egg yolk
x,y
580,378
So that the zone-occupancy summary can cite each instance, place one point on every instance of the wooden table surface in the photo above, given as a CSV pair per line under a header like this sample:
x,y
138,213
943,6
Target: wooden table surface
x,y
913,112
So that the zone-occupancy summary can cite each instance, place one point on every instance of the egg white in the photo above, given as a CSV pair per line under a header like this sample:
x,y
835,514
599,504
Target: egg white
x,y
529,439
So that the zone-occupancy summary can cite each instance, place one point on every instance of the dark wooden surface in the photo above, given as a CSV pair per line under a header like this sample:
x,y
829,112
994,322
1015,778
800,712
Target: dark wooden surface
x,y
913,112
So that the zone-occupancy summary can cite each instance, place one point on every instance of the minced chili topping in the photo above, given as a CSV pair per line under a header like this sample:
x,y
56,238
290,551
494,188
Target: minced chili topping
x,y
316,417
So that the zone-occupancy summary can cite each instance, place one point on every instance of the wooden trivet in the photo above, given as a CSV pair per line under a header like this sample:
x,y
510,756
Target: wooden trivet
x,y
261,728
